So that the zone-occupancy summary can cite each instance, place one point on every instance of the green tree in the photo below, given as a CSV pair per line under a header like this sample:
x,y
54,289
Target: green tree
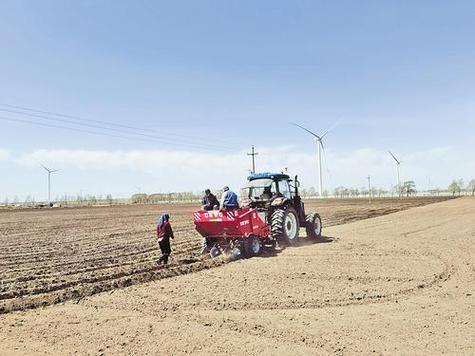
x,y
93,200
409,188
354,192
454,188
311,192
139,198
364,191
339,192
461,185
471,187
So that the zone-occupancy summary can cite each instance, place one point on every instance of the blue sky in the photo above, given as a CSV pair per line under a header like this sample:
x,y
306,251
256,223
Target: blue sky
x,y
399,74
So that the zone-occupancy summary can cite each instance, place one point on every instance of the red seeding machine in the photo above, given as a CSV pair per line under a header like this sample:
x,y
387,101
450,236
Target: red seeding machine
x,y
271,214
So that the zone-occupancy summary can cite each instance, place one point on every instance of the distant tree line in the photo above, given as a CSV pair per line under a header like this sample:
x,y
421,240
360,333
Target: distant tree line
x,y
407,189
457,187
142,198
65,200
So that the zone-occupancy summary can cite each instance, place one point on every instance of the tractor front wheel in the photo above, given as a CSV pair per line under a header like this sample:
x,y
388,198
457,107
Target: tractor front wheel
x,y
313,226
285,225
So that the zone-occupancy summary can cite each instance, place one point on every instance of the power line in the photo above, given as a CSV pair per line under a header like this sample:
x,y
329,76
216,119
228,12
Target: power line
x,y
72,117
155,137
62,127
94,132
107,123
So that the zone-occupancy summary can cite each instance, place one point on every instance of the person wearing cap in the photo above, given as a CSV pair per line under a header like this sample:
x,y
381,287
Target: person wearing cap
x,y
209,201
229,199
164,234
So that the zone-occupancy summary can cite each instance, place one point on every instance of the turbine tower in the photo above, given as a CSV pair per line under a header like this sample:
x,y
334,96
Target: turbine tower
x,y
320,149
398,163
49,181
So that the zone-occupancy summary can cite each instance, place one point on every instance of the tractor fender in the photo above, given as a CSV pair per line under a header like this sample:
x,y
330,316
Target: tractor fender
x,y
279,201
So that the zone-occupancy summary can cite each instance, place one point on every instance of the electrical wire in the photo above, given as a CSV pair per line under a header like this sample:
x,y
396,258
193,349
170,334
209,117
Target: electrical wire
x,y
106,123
30,122
121,131
72,117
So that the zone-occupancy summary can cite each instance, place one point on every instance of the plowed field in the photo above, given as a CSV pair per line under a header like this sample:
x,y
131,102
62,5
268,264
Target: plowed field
x,y
52,255
399,284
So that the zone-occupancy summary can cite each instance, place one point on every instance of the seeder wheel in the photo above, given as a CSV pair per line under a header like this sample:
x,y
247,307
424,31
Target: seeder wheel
x,y
252,246
236,253
215,251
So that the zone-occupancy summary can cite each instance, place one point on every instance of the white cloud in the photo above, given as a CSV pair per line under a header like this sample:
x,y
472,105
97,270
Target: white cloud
x,y
185,170
180,170
4,155
434,154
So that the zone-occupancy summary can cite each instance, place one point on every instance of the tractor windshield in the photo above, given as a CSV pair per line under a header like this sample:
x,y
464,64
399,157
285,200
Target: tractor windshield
x,y
259,189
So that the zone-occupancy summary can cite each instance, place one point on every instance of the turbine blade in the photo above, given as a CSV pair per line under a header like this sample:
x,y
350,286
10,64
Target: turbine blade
x,y
303,128
322,145
325,163
331,128
324,153
43,167
397,161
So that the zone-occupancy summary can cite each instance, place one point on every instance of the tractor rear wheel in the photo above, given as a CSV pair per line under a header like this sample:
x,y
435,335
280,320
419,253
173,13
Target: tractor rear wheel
x,y
285,225
313,226
252,246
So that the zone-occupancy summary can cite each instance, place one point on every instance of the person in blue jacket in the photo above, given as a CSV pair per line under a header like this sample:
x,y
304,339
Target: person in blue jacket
x,y
229,199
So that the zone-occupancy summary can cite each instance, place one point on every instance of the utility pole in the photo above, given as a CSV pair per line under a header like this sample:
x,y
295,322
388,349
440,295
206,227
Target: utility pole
x,y
253,154
369,188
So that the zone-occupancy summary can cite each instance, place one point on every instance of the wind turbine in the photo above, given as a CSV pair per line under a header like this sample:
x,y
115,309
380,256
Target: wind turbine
x,y
320,149
398,163
49,181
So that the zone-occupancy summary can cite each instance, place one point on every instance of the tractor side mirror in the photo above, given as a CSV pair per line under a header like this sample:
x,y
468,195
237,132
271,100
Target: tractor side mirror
x,y
297,183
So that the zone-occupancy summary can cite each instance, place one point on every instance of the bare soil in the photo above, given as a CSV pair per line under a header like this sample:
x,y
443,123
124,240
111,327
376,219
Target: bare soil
x,y
52,255
396,284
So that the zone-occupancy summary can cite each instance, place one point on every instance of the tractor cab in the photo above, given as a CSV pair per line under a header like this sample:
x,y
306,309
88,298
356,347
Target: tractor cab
x,y
262,188
267,191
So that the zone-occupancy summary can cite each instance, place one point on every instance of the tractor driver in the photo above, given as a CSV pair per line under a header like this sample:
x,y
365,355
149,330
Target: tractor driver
x,y
229,199
267,193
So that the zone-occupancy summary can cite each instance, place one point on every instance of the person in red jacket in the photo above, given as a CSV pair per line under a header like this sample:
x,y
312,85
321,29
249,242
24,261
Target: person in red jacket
x,y
164,234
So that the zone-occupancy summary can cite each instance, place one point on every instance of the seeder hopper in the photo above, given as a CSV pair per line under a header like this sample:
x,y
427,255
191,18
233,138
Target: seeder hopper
x,y
236,232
